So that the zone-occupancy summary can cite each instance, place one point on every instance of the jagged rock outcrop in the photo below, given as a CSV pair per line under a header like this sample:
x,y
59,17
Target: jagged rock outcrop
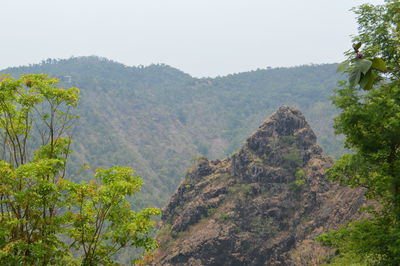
x,y
262,206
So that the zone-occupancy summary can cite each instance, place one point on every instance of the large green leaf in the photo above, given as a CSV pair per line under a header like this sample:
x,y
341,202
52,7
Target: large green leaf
x,y
379,64
354,77
368,80
363,65
342,67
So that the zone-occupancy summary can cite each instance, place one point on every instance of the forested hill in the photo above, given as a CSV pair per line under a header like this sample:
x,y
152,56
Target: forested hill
x,y
156,118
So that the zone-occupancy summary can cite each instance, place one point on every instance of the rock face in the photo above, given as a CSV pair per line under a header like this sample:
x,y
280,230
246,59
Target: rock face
x,y
262,206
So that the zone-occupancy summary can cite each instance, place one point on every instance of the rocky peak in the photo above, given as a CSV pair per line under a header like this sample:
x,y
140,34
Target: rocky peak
x,y
285,141
285,121
286,129
262,206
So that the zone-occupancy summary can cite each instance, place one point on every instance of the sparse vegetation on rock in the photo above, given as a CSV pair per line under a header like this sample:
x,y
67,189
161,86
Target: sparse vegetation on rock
x,y
244,210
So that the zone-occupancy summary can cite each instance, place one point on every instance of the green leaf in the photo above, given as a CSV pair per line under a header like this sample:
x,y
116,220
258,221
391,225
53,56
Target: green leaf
x,y
364,79
354,77
379,64
368,80
363,65
342,67
357,46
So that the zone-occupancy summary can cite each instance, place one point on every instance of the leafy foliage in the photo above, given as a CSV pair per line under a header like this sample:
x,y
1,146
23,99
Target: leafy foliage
x,y
43,216
370,120
300,179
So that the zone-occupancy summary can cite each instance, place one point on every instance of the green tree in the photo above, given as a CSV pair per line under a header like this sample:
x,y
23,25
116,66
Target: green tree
x,y
43,216
370,120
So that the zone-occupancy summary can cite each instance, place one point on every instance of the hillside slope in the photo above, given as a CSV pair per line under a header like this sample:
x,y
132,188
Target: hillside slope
x,y
156,118
264,205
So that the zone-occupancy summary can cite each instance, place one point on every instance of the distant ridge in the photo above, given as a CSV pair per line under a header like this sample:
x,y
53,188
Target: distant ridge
x,y
156,118
69,64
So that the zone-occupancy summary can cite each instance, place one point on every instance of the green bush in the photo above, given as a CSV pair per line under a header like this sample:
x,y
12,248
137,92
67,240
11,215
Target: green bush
x,y
292,160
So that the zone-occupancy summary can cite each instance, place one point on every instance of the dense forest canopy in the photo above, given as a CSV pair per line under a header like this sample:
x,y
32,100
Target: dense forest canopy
x,y
156,118
369,102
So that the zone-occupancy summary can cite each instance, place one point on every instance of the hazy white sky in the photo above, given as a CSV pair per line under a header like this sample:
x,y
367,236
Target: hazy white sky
x,y
200,37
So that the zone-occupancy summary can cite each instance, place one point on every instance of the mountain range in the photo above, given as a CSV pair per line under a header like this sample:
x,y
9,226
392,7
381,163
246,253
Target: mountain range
x,y
159,120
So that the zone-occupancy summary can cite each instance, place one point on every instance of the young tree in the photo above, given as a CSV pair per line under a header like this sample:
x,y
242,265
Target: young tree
x,y
43,216
370,120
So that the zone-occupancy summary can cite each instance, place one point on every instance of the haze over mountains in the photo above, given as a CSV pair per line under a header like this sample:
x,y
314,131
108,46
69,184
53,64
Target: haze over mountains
x,y
156,118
